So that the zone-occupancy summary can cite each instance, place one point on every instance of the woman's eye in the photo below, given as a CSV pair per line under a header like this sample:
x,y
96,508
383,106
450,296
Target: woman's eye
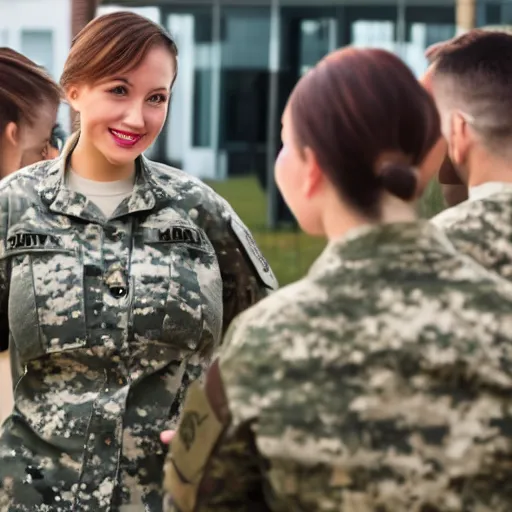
x,y
118,91
158,98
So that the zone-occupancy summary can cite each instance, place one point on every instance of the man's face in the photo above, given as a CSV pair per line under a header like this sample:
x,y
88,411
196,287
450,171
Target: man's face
x,y
447,173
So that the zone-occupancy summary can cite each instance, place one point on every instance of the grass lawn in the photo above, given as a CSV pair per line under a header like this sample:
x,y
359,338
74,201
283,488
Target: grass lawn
x,y
290,253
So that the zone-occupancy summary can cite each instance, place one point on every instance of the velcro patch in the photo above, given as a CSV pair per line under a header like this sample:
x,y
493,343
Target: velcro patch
x,y
179,234
36,241
192,446
252,250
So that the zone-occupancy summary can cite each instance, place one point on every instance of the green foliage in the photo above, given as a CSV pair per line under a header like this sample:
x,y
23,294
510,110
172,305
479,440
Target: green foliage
x,y
432,201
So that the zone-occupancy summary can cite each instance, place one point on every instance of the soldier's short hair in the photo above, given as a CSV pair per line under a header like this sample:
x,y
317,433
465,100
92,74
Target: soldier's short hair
x,y
434,51
475,77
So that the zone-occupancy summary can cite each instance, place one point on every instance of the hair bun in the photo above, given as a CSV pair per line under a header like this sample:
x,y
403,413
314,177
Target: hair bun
x,y
399,179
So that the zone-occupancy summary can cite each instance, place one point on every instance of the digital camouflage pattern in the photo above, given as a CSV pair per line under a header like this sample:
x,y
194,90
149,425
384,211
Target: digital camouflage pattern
x,y
381,382
108,323
482,228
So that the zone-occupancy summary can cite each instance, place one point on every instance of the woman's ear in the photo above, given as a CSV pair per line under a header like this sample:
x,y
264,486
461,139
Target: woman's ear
x,y
314,176
11,141
72,95
12,134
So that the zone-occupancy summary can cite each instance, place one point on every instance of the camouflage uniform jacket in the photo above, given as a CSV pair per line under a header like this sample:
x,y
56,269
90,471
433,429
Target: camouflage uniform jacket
x,y
481,227
108,322
380,382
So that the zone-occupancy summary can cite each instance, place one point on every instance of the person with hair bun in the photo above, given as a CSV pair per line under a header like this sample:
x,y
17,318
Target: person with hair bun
x,y
380,381
118,277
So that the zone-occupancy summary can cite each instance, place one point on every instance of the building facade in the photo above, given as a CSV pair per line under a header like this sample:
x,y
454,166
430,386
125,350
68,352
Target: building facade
x,y
239,59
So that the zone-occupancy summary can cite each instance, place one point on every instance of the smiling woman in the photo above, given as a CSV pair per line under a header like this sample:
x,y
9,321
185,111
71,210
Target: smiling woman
x,y
118,277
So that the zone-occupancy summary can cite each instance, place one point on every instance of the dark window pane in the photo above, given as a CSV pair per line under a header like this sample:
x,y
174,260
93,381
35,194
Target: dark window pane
x,y
201,135
244,88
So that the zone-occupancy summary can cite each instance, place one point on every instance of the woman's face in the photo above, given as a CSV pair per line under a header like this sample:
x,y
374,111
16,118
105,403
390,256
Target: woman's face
x,y
26,144
121,116
36,138
295,172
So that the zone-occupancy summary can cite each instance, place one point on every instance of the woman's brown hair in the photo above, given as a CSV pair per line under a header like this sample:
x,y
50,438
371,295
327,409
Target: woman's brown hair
x,y
368,121
24,88
111,44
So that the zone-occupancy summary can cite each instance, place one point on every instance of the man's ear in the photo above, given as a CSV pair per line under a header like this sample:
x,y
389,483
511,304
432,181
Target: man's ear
x,y
462,139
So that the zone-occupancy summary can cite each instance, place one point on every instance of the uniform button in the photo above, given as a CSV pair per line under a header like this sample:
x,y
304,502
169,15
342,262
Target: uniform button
x,y
118,292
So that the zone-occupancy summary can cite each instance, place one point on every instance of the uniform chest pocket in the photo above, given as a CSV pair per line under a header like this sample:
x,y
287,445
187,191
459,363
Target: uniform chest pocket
x,y
178,289
46,296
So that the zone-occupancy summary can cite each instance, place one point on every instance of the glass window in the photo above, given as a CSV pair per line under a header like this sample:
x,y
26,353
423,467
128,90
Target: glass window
x,y
374,34
244,78
37,45
201,132
423,35
316,40
189,123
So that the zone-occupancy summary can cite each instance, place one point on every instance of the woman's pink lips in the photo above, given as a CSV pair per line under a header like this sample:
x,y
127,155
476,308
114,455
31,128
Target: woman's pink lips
x,y
129,139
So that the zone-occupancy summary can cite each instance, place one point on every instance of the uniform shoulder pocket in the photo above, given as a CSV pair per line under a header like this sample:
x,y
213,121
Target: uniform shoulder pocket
x,y
252,250
204,419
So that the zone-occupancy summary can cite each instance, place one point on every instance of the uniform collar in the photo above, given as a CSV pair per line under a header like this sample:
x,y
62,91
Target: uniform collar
x,y
59,199
383,242
488,189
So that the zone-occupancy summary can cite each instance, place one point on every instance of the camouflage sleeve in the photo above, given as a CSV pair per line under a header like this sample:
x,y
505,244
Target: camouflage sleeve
x,y
4,280
246,274
211,465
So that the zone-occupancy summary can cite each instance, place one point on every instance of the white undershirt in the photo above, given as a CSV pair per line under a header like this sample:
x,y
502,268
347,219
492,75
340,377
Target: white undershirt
x,y
106,195
487,189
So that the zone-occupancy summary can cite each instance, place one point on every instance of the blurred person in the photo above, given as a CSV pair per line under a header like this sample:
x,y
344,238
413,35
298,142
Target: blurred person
x,y
29,101
381,381
56,142
471,86
117,279
454,190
